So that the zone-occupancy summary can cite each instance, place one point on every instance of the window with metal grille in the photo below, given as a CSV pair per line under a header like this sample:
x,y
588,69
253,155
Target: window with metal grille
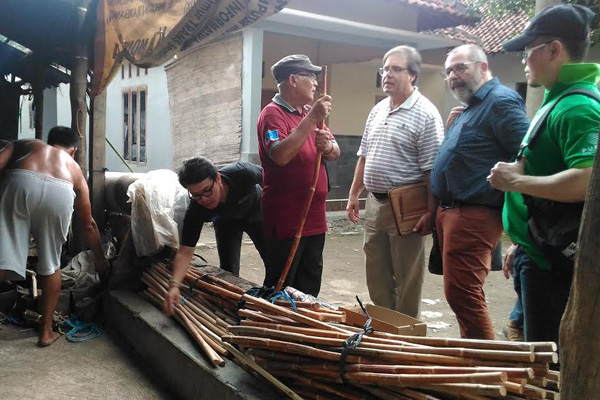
x,y
134,124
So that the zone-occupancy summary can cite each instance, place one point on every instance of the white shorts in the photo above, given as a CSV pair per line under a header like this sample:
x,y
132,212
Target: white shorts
x,y
36,203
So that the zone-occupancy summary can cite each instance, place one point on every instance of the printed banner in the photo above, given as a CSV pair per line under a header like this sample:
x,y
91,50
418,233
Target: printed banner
x,y
148,33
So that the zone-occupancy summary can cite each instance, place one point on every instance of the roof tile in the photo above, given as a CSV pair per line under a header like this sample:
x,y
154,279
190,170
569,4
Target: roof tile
x,y
442,13
489,33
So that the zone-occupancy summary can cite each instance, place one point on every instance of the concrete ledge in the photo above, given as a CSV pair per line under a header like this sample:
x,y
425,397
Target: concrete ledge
x,y
168,350
340,204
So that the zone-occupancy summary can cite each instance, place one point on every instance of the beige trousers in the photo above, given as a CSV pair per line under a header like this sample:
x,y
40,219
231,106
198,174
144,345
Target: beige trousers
x,y
395,264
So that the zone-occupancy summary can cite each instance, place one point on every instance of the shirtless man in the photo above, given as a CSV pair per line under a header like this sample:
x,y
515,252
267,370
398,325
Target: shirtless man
x,y
39,186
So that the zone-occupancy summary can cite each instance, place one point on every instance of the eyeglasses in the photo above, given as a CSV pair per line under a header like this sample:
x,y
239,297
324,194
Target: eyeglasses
x,y
527,53
458,69
204,193
311,76
391,70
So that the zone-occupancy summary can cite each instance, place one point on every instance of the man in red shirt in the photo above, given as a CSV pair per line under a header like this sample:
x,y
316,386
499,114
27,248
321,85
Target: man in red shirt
x,y
288,142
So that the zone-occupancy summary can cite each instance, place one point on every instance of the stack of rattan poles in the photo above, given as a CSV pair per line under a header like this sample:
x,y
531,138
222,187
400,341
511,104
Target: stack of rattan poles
x,y
303,349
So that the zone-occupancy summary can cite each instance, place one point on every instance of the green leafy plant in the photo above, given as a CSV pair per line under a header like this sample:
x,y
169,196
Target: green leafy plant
x,y
500,8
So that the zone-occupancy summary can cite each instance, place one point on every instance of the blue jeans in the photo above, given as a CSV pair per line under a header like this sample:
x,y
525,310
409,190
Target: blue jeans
x,y
544,296
516,315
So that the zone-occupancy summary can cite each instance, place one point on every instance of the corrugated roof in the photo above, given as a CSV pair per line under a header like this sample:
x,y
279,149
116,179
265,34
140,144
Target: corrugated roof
x,y
33,32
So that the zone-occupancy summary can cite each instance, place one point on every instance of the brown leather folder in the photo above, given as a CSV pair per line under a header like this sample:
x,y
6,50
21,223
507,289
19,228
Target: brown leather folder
x,y
409,203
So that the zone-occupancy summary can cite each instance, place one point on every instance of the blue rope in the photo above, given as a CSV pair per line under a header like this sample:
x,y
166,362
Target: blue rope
x,y
15,321
260,292
81,331
283,295
269,294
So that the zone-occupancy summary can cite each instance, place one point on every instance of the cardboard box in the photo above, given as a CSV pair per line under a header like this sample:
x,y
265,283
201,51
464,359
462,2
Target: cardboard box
x,y
385,320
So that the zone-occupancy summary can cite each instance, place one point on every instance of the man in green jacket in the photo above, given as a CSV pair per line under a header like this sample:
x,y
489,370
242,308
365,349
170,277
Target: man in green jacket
x,y
558,166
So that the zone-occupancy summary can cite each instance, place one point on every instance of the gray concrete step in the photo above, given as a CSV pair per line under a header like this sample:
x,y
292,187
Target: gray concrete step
x,y
170,352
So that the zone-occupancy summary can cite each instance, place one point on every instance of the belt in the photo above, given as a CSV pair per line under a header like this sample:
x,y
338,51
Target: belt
x,y
380,196
451,204
456,204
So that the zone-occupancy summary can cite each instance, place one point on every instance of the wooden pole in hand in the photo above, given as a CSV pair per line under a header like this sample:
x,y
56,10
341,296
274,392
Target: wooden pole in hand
x,y
298,236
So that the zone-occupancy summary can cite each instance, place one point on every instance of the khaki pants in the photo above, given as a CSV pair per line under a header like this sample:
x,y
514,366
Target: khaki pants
x,y
395,264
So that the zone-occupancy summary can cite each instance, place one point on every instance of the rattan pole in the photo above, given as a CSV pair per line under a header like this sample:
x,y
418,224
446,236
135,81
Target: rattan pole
x,y
260,370
217,281
317,385
552,385
513,387
383,394
225,318
285,347
391,380
539,381
214,302
531,391
213,327
323,333
466,388
201,317
254,316
214,358
212,339
208,350
153,282
203,324
309,394
327,367
281,357
448,351
208,310
404,357
160,270
307,304
210,288
472,343
264,305
322,316
414,395
546,357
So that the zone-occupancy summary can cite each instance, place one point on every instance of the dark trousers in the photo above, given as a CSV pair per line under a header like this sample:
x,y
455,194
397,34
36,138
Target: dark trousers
x,y
544,296
306,269
229,241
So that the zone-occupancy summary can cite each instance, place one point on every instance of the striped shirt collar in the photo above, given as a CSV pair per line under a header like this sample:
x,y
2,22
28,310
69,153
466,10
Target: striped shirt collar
x,y
277,99
408,103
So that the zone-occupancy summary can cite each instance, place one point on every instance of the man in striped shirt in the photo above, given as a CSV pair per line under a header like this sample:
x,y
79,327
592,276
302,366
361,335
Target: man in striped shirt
x,y
401,138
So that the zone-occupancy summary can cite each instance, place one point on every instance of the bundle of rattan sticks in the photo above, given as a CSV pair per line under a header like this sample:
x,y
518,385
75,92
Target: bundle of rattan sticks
x,y
304,350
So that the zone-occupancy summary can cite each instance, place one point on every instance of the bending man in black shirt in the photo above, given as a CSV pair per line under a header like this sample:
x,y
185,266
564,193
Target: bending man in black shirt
x,y
231,199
